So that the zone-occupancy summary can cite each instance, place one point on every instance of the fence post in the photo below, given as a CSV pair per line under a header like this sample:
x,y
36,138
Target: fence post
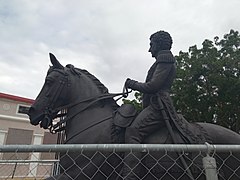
x,y
210,167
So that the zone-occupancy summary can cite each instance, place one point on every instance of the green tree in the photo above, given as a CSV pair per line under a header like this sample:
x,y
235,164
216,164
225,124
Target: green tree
x,y
207,87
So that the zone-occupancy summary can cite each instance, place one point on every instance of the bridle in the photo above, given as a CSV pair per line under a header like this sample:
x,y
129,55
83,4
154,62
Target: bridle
x,y
51,113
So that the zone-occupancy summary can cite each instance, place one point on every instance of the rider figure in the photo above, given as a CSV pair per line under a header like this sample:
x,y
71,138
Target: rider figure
x,y
156,88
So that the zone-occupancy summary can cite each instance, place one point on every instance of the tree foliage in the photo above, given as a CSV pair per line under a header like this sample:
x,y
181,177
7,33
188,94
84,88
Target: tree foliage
x,y
137,102
207,87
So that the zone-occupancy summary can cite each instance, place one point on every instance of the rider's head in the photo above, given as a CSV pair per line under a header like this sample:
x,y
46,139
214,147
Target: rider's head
x,y
160,40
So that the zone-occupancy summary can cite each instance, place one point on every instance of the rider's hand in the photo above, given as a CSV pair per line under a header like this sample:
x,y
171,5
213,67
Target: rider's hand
x,y
129,83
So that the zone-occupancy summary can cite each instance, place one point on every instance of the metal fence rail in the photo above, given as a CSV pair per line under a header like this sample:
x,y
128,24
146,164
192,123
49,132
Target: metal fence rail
x,y
159,161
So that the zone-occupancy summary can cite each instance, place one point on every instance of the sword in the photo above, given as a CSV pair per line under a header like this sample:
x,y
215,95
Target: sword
x,y
169,127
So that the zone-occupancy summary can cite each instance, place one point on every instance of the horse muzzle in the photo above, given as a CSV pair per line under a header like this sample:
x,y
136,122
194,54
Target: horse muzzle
x,y
34,117
46,122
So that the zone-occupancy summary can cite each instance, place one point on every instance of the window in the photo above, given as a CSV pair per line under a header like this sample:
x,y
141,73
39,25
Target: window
x,y
18,136
23,109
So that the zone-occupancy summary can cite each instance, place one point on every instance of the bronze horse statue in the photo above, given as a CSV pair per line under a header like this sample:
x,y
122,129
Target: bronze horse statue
x,y
90,120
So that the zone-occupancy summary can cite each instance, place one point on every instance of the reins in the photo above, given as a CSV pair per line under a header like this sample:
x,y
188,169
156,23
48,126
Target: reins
x,y
58,126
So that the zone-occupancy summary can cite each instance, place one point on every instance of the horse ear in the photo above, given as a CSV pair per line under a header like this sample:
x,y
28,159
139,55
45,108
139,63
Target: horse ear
x,y
55,62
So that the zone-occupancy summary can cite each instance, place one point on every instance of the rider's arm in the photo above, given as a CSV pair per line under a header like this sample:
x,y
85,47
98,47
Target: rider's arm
x,y
157,81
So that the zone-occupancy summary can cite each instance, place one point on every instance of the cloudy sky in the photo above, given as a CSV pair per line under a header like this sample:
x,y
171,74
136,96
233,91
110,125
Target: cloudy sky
x,y
109,38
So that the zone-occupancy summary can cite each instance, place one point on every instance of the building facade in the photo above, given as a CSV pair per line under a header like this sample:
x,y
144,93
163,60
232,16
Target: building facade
x,y
15,128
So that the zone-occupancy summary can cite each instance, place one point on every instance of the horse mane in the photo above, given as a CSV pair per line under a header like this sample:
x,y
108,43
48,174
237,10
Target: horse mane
x,y
96,81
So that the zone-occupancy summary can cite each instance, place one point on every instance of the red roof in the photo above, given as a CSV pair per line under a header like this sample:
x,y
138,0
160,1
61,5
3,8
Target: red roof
x,y
16,98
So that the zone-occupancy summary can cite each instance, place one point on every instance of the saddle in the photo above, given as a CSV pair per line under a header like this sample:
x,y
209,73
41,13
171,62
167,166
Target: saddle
x,y
124,115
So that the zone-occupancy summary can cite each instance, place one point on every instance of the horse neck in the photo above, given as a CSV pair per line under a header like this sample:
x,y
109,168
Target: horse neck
x,y
89,119
86,90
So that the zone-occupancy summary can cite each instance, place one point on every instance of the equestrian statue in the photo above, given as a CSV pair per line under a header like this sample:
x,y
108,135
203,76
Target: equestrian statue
x,y
93,117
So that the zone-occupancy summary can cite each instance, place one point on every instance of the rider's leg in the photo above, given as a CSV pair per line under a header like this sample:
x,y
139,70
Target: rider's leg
x,y
147,122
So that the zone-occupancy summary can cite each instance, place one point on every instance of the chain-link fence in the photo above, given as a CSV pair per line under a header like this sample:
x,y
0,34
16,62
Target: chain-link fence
x,y
105,161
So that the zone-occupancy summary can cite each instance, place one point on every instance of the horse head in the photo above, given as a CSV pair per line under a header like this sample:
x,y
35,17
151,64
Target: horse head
x,y
62,86
54,94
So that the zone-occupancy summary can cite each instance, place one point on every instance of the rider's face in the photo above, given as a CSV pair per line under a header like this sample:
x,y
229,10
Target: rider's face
x,y
153,49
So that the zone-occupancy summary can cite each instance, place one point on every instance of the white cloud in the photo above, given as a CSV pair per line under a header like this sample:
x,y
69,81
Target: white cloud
x,y
110,38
